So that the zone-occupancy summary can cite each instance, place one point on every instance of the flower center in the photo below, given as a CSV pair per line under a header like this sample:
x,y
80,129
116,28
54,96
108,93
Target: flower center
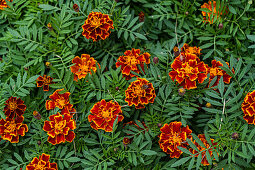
x,y
105,113
215,71
95,22
188,69
176,138
13,105
84,68
131,60
60,125
40,165
46,80
138,90
11,127
61,102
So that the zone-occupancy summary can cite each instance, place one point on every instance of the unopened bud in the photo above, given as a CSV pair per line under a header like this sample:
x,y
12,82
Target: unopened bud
x,y
39,142
117,88
76,7
155,60
235,136
186,13
220,26
208,105
37,115
159,125
141,17
47,64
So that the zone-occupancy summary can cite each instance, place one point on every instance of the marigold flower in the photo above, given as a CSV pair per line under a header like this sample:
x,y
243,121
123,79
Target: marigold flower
x,y
173,135
215,70
10,129
103,114
42,163
49,26
97,26
140,93
83,66
44,81
126,141
188,71
213,12
208,105
181,91
130,61
14,107
191,50
76,7
61,101
47,63
248,107
203,139
59,128
3,4
141,16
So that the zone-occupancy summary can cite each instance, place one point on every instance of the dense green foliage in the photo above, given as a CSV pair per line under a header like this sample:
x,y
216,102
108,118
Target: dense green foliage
x,y
26,44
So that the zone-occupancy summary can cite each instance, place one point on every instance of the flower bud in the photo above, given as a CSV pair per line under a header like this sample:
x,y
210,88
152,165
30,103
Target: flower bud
x,y
76,7
37,115
117,88
47,64
141,17
181,91
186,13
39,142
208,105
220,26
155,60
235,136
126,141
159,125
25,68
49,26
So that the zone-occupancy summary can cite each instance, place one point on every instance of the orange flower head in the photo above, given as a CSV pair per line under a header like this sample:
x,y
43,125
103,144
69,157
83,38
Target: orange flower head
x,y
14,107
10,129
42,163
97,26
103,114
248,107
212,12
44,81
173,135
140,93
215,70
3,4
83,66
61,101
130,61
189,70
203,139
192,50
59,128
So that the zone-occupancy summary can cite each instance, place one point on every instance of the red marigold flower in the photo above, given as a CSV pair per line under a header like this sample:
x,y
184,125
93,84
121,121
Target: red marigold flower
x,y
215,70
188,71
192,50
14,107
42,163
44,81
103,115
83,66
139,93
3,4
126,141
141,16
97,26
61,101
130,61
59,128
203,139
213,12
248,107
76,7
10,129
173,135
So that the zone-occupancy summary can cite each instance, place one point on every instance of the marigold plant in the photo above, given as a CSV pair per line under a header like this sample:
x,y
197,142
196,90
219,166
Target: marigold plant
x,y
83,66
103,114
97,26
248,107
208,148
42,163
44,81
3,4
59,128
187,69
173,135
140,93
130,62
11,129
14,107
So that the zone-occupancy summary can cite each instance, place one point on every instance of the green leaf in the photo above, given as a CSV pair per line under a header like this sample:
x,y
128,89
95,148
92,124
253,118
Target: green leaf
x,y
148,152
73,159
180,162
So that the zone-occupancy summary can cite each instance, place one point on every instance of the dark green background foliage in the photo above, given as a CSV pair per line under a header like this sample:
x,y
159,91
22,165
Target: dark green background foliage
x,y
26,44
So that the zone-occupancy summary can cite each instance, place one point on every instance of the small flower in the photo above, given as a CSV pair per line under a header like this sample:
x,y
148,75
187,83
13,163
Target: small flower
x,y
130,61
139,96
215,70
103,114
176,51
83,66
203,139
155,60
97,26
181,91
47,64
37,115
220,26
59,128
173,135
44,81
10,129
188,71
208,105
235,136
61,101
3,4
126,141
76,7
248,108
49,26
159,125
117,88
42,163
141,16
14,107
